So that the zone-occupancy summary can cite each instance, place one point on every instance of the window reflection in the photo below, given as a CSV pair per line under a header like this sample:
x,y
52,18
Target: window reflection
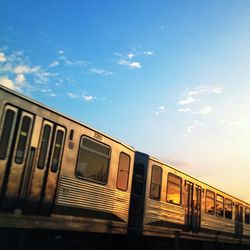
x,y
219,205
228,209
93,161
174,189
210,202
155,188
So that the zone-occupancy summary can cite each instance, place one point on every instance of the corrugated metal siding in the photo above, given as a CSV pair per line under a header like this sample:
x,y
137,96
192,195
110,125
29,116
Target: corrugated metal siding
x,y
162,211
216,223
246,230
83,194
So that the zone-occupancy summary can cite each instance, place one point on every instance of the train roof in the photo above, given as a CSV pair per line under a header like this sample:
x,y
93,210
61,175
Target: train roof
x,y
63,115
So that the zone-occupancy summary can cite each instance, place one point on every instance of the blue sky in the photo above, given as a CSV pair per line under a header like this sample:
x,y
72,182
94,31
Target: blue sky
x,y
170,78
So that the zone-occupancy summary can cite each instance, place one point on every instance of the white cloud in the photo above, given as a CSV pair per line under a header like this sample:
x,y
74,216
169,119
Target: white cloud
x,y
60,52
131,55
88,98
25,69
41,76
100,72
133,65
205,89
2,57
20,79
48,92
186,101
5,81
85,97
129,58
160,109
204,111
148,53
54,64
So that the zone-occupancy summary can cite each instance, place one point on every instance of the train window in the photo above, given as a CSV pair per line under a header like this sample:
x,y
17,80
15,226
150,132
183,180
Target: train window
x,y
138,179
210,202
219,205
57,150
123,172
93,161
240,214
174,189
247,215
23,138
71,134
44,146
6,133
155,189
228,209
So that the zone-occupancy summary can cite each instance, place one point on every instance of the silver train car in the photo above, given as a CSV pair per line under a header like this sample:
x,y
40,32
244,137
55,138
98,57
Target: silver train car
x,y
56,173
59,174
169,203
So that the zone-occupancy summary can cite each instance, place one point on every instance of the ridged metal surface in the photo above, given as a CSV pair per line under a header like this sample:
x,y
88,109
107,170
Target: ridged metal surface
x,y
215,223
161,211
246,230
83,194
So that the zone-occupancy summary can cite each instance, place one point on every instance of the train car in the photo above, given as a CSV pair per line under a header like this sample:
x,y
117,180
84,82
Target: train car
x,y
166,202
56,173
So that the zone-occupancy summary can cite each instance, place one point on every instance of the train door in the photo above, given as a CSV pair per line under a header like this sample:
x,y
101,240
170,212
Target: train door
x,y
238,220
15,136
138,192
189,206
41,188
197,210
30,155
193,207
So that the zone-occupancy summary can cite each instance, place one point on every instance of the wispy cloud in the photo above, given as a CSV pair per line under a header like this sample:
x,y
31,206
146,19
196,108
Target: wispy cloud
x,y
17,73
189,130
205,89
5,81
131,55
84,97
100,72
60,52
54,64
187,100
204,111
73,96
132,65
48,92
148,53
25,69
88,98
195,96
20,79
2,57
160,109
131,59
